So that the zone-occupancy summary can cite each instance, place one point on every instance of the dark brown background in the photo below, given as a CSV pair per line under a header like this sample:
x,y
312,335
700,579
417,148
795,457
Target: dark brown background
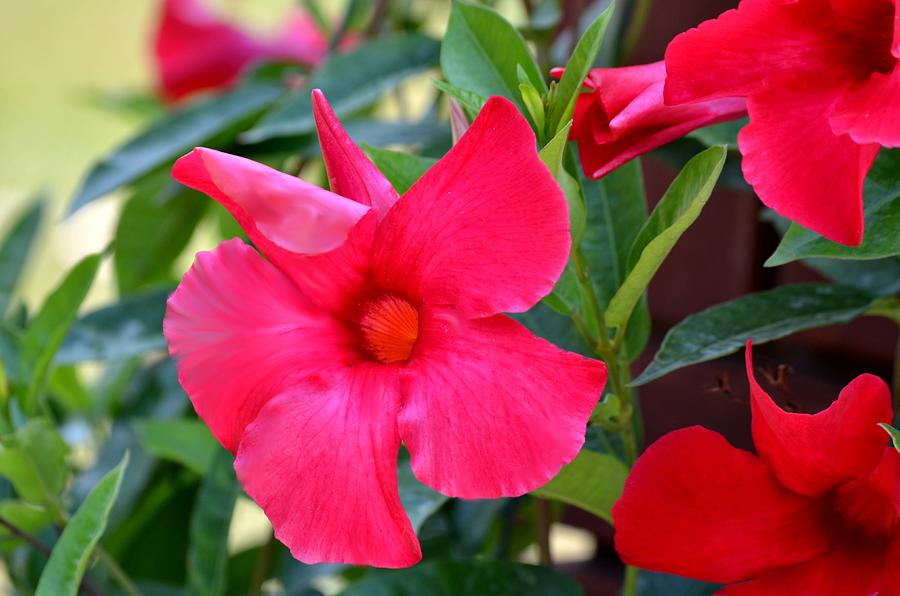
x,y
718,259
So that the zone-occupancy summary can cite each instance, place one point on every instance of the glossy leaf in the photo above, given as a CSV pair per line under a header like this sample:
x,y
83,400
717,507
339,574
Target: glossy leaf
x,y
552,155
176,133
577,68
725,133
443,577
185,441
592,481
893,433
470,100
880,277
208,551
73,551
34,460
763,316
882,220
401,169
15,250
677,210
350,81
419,501
482,51
127,328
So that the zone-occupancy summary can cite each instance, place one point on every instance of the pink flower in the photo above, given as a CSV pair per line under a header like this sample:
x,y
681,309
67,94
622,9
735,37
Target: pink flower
x,y
374,319
822,83
816,513
623,116
197,51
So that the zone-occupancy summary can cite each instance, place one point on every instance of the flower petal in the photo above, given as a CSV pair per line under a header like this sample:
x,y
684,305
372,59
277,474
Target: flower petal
x,y
885,478
321,461
486,229
301,41
241,332
350,172
695,506
797,165
870,25
301,228
812,453
733,54
869,112
490,410
892,570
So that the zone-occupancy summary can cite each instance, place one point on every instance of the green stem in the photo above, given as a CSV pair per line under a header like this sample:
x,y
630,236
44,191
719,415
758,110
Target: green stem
x,y
543,522
635,28
629,587
117,573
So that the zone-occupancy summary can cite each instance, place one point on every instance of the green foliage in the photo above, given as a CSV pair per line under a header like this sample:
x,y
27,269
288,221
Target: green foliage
x,y
882,220
73,550
33,459
14,251
592,481
763,316
419,501
893,433
187,442
401,169
552,155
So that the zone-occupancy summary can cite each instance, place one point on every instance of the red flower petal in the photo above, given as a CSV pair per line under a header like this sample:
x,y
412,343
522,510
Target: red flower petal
x,y
870,112
892,570
870,25
812,453
301,42
241,332
731,55
288,220
797,165
696,506
489,410
486,229
886,477
321,461
350,172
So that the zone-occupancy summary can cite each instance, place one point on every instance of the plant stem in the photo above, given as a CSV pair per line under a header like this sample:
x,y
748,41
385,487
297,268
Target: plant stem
x,y
639,14
263,566
117,573
543,523
629,586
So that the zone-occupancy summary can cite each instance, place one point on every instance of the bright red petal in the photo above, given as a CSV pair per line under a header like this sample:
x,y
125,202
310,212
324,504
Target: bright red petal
x,y
240,332
733,54
870,26
486,229
886,477
301,228
489,410
812,453
797,165
321,461
350,172
301,42
695,506
892,570
870,112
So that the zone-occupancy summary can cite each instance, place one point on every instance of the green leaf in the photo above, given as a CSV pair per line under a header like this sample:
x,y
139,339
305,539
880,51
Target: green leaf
x,y
552,155
893,433
153,228
471,101
34,460
176,133
401,169
15,250
725,133
880,277
592,481
481,52
25,516
661,584
444,577
184,441
67,390
577,68
762,316
350,81
127,328
677,210
419,501
208,551
48,328
72,552
882,220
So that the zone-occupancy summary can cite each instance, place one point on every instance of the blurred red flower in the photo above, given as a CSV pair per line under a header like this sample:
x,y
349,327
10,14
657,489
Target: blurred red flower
x,y
822,83
624,116
373,319
195,50
817,512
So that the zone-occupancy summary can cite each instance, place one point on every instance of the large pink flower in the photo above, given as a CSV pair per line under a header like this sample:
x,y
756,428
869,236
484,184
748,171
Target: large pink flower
x,y
823,86
196,50
624,116
373,320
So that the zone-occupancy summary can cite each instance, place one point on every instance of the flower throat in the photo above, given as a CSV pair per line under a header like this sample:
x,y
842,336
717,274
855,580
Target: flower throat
x,y
389,327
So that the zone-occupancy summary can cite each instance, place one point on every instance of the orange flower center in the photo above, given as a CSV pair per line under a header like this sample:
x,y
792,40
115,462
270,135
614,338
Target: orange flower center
x,y
389,327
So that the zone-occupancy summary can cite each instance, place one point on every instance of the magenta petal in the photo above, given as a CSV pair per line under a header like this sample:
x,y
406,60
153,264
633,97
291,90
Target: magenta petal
x,y
870,112
797,165
301,42
240,332
489,410
350,172
321,461
486,229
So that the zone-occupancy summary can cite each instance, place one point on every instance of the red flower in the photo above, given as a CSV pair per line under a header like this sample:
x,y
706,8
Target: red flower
x,y
816,514
624,116
822,84
197,51
372,320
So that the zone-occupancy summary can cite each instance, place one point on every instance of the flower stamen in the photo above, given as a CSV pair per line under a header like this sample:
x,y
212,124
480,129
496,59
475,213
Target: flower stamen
x,y
389,327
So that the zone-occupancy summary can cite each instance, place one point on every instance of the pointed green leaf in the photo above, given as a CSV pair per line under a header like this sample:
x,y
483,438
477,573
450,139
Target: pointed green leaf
x,y
592,481
15,250
34,460
185,441
401,169
677,210
552,155
893,433
72,552
763,316
471,101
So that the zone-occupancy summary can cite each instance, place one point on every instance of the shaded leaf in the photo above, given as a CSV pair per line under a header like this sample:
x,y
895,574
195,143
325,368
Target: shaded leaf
x,y
592,481
185,441
419,501
15,250
893,433
471,101
401,169
34,460
662,584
